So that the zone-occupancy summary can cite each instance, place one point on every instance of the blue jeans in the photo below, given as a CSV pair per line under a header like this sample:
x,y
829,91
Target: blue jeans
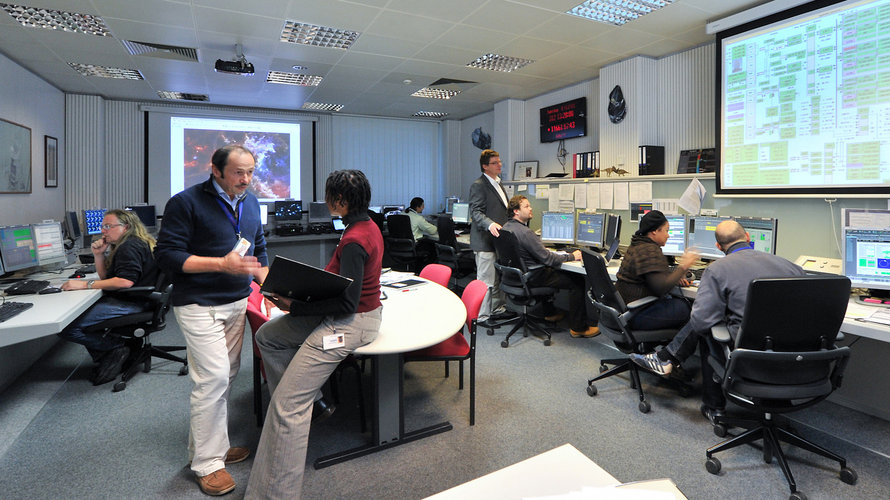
x,y
96,343
668,312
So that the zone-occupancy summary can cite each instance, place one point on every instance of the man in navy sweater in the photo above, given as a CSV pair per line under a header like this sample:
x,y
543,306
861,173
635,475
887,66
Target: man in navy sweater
x,y
211,245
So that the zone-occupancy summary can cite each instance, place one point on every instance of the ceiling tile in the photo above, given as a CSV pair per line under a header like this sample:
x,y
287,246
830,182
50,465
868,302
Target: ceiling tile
x,y
415,29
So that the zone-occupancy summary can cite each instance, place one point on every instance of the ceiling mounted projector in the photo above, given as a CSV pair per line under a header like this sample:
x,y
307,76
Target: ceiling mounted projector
x,y
239,66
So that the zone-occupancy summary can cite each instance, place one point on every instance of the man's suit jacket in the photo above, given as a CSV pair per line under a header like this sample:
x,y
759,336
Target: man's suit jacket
x,y
486,206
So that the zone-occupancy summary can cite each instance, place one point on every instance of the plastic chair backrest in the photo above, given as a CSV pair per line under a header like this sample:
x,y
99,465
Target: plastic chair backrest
x,y
472,298
255,298
255,318
437,273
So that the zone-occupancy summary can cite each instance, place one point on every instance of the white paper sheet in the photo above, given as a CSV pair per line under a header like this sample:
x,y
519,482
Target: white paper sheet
x,y
543,191
606,195
580,196
692,197
566,192
640,192
593,196
509,189
620,202
665,205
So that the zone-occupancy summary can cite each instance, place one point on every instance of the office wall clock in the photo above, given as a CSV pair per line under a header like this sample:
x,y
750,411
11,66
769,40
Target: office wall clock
x,y
617,106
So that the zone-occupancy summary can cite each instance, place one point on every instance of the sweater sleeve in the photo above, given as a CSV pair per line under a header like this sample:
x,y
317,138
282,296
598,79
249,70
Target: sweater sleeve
x,y
171,250
352,265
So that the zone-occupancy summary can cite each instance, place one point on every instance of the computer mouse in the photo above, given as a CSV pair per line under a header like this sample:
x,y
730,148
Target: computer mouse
x,y
77,275
49,289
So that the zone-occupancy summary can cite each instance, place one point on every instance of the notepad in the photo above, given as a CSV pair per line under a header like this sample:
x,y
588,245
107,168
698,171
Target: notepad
x,y
404,283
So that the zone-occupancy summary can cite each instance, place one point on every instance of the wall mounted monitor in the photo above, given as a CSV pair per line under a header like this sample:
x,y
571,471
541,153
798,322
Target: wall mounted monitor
x,y
558,227
146,213
92,220
319,213
676,243
49,243
564,120
292,210
700,237
590,229
866,257
460,213
72,226
393,209
763,232
696,161
17,248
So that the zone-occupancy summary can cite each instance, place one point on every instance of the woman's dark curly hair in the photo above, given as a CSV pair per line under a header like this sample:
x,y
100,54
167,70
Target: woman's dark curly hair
x,y
350,186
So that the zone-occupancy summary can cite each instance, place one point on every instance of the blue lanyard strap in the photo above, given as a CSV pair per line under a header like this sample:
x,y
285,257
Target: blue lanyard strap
x,y
230,214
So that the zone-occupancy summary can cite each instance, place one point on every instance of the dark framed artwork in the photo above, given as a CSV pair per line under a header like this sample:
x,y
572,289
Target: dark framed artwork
x,y
51,161
15,157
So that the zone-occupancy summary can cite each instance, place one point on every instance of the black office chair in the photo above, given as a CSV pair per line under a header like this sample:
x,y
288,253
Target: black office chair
x,y
614,316
136,329
378,218
461,261
400,245
785,359
515,282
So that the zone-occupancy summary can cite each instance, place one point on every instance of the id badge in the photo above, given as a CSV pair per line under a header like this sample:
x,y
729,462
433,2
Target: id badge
x,y
333,341
242,247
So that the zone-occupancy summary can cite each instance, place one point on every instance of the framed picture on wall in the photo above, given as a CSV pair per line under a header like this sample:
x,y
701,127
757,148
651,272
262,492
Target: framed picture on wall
x,y
51,161
15,157
523,170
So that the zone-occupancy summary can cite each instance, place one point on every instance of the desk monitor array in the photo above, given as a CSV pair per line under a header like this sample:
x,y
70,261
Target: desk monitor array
x,y
376,208
866,259
393,209
17,249
72,226
460,213
49,243
292,210
762,230
558,228
147,215
590,229
701,232
92,220
676,242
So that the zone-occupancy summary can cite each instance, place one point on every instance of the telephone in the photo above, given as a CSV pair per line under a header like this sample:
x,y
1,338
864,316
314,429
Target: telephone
x,y
810,263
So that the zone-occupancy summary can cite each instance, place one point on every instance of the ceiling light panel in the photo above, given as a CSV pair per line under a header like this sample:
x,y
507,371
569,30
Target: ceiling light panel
x,y
321,106
106,72
319,36
35,17
616,12
285,78
431,114
433,93
495,62
182,96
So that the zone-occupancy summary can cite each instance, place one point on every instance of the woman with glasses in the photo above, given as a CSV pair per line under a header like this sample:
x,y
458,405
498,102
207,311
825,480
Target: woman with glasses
x,y
123,256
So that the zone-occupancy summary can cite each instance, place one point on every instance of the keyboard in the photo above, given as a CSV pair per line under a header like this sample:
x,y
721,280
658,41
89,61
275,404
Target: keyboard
x,y
83,270
11,309
26,287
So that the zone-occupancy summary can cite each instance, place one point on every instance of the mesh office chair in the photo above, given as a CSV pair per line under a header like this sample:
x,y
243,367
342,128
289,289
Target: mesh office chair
x,y
614,317
785,359
461,261
520,293
136,329
400,245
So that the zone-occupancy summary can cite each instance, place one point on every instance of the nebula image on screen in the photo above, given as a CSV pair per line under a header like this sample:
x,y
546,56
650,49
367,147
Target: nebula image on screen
x,y
271,179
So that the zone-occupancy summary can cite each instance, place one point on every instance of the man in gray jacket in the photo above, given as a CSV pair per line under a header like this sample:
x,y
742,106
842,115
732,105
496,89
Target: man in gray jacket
x,y
488,212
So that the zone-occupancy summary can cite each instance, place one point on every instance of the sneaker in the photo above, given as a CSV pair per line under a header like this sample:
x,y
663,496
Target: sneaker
x,y
652,363
218,482
593,331
237,454
712,413
555,317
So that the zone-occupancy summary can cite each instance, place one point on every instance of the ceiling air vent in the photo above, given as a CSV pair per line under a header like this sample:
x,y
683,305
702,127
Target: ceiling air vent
x,y
161,50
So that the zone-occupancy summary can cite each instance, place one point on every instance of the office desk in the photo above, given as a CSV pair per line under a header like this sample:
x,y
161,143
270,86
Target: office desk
x,y
413,318
50,314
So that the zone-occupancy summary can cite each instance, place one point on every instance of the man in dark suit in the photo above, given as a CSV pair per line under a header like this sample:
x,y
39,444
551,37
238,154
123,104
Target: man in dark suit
x,y
488,212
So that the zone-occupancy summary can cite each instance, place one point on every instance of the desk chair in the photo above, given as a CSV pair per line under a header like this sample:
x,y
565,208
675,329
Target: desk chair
x,y
456,347
614,318
782,362
437,273
461,261
516,284
400,245
136,329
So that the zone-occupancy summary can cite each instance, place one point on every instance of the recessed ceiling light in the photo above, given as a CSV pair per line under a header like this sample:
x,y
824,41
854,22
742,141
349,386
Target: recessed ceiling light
x,y
36,17
431,114
407,81
182,96
433,93
299,68
321,106
496,62
106,72
616,12
286,78
319,36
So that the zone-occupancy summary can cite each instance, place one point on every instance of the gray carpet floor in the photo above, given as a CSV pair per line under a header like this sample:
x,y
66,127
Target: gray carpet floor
x,y
60,437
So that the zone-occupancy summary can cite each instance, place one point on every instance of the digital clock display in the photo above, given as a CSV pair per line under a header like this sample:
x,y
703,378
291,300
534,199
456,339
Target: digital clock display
x,y
564,120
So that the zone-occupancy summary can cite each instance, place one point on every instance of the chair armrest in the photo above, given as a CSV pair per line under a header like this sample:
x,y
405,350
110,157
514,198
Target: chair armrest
x,y
136,292
645,301
720,333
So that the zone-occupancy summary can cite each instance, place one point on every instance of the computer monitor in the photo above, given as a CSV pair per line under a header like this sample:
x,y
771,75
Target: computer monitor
x,y
460,213
866,258
49,243
700,237
763,231
17,248
338,224
449,203
612,229
318,212
393,209
376,208
264,214
292,210
558,227
146,213
92,220
72,226
589,230
676,243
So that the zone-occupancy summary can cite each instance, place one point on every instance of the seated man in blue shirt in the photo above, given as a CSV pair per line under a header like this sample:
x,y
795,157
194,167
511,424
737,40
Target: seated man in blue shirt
x,y
532,252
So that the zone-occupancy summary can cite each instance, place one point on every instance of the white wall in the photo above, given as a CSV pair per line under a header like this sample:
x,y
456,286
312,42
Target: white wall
x,y
469,154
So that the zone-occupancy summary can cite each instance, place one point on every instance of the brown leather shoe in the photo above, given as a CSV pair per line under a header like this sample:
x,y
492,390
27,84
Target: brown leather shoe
x,y
237,454
593,331
555,317
218,482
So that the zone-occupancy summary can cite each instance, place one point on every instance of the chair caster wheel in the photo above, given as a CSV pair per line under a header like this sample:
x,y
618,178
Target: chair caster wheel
x,y
547,342
713,465
720,430
591,390
118,387
797,496
504,343
645,407
489,332
604,368
184,370
848,475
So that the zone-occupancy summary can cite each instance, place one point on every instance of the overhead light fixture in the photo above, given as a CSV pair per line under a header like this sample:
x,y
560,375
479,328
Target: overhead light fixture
x,y
431,114
182,96
238,66
320,106
496,62
616,12
286,78
318,36
106,72
433,93
36,17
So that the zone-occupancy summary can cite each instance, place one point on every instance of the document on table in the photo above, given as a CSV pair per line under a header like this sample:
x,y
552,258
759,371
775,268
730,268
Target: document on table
x,y
881,316
658,489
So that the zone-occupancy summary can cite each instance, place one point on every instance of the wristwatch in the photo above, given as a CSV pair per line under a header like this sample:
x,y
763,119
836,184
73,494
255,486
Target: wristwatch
x,y
90,284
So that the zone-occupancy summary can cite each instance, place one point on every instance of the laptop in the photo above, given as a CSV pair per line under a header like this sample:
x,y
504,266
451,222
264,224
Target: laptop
x,y
295,280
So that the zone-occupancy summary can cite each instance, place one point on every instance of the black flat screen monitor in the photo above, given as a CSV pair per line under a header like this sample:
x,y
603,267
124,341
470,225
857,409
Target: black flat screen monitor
x,y
558,228
292,210
701,237
612,229
393,209
17,248
318,212
72,226
92,220
763,232
866,257
338,224
590,229
146,214
460,213
49,243
676,243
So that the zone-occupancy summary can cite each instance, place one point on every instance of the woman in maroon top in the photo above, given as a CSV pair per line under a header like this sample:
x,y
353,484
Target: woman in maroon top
x,y
301,349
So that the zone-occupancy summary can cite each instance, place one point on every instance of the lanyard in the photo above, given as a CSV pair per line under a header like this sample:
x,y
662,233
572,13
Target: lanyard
x,y
230,214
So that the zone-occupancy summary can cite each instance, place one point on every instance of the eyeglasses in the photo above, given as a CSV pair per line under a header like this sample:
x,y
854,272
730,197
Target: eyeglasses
x,y
109,226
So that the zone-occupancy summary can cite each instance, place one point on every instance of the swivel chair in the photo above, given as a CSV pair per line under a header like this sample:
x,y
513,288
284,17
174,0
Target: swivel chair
x,y
136,329
400,245
516,283
461,261
615,316
784,359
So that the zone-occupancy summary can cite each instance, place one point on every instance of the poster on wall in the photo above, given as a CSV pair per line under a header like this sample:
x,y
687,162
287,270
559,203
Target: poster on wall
x,y
15,158
51,161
